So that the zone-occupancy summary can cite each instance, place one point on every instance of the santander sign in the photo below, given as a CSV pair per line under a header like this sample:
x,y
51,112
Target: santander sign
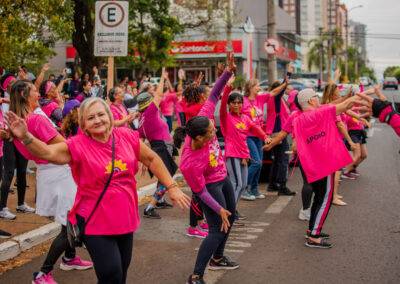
x,y
203,47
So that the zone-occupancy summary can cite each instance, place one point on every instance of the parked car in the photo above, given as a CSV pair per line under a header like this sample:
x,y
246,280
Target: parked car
x,y
390,82
365,81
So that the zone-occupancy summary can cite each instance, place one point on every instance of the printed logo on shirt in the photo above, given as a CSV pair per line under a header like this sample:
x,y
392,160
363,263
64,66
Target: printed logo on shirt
x,y
214,153
253,112
355,120
241,125
119,166
316,137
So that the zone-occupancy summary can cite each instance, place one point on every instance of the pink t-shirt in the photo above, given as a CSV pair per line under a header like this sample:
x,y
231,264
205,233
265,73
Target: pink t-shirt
x,y
320,148
2,127
119,112
206,165
117,212
288,125
41,128
290,100
354,124
152,126
235,129
167,104
271,114
254,109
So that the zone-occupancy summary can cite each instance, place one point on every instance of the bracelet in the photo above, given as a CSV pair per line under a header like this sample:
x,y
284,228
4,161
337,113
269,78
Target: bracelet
x,y
174,184
28,141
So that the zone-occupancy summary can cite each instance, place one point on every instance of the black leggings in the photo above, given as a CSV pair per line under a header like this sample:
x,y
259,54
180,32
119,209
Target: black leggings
x,y
307,191
196,211
280,163
214,243
111,256
13,159
59,245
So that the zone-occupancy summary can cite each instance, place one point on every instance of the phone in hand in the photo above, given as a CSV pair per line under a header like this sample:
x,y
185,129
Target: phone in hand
x,y
69,71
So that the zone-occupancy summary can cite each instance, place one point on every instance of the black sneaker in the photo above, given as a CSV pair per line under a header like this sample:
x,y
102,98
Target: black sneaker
x,y
272,187
224,264
151,213
320,236
4,234
323,244
197,280
286,191
163,205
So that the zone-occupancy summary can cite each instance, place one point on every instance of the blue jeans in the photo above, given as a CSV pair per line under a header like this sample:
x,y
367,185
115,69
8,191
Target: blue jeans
x,y
169,119
256,154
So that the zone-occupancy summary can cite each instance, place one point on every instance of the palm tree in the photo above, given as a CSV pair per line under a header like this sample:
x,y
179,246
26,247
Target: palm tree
x,y
315,43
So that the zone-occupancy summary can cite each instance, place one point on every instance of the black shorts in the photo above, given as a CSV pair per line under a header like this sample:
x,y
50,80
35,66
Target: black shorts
x,y
358,136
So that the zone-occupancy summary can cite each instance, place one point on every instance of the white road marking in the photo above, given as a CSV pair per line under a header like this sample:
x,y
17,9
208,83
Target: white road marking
x,y
278,205
248,230
228,250
238,244
257,224
242,236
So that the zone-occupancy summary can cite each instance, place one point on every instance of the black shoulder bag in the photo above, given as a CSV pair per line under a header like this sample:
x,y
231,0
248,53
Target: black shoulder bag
x,y
75,232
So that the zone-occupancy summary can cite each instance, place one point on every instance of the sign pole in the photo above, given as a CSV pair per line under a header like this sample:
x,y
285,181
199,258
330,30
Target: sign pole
x,y
110,75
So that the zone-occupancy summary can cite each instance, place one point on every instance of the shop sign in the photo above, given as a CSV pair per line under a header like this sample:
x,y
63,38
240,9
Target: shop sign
x,y
287,53
203,47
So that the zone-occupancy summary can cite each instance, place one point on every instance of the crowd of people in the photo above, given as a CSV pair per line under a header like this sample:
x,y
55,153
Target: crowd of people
x,y
88,144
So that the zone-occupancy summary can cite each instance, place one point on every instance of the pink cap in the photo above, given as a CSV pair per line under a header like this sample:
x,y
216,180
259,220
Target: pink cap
x,y
7,81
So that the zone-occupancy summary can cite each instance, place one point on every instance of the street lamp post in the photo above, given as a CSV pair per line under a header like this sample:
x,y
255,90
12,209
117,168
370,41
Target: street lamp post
x,y
347,43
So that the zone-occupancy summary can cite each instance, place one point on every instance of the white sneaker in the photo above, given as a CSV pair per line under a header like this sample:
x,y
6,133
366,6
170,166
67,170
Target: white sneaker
x,y
24,208
5,214
260,196
305,214
247,196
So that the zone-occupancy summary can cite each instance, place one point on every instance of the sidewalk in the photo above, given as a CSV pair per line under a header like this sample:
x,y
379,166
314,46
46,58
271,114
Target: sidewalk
x,y
29,230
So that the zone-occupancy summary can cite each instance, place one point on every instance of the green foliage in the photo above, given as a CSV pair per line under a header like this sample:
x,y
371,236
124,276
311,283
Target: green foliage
x,y
151,30
30,29
369,72
390,71
396,73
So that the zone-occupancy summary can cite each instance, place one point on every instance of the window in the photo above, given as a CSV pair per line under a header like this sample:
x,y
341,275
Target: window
x,y
293,14
317,5
318,19
292,1
317,12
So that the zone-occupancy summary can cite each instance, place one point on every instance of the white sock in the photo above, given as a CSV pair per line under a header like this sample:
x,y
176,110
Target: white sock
x,y
40,274
67,259
149,206
161,200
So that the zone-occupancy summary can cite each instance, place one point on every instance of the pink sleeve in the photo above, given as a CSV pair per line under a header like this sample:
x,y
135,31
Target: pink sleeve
x,y
42,127
79,98
116,114
288,125
223,111
262,98
207,109
196,182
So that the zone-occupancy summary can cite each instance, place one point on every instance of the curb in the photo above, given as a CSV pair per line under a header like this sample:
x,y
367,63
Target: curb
x,y
23,242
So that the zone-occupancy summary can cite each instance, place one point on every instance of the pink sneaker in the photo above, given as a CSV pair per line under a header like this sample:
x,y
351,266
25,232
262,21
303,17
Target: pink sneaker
x,y
348,176
196,233
77,263
44,279
204,226
355,173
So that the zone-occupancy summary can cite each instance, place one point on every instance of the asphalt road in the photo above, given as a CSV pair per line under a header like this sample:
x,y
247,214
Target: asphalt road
x,y
270,249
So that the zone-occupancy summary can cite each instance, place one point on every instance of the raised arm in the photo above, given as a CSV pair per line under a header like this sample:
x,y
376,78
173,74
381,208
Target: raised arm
x,y
338,73
57,153
40,78
158,94
223,111
279,91
348,104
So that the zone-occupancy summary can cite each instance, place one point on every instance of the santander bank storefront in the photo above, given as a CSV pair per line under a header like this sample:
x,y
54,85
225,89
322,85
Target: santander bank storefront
x,y
203,56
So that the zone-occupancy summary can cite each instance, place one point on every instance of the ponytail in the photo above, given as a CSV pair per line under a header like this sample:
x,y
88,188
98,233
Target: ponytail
x,y
196,126
179,136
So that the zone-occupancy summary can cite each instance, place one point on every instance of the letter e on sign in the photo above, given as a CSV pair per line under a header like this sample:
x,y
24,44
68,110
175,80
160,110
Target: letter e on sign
x,y
111,28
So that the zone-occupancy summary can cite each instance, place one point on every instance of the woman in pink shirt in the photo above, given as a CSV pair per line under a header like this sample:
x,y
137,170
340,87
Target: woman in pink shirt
x,y
235,127
201,153
108,235
153,128
169,99
55,187
253,107
121,116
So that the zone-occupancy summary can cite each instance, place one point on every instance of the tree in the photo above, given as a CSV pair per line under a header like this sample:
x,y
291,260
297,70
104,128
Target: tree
x,y
30,29
390,70
314,44
151,30
396,73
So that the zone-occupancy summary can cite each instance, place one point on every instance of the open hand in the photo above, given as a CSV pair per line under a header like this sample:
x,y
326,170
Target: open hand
x,y
178,197
225,221
230,56
290,68
17,125
46,67
231,80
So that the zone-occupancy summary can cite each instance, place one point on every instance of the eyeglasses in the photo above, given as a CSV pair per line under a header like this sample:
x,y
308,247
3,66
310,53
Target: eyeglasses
x,y
236,102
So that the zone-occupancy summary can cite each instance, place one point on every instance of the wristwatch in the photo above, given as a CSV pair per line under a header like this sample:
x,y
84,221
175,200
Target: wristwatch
x,y
28,141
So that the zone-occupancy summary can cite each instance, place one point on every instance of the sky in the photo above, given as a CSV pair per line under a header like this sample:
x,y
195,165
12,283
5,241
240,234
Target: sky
x,y
382,18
